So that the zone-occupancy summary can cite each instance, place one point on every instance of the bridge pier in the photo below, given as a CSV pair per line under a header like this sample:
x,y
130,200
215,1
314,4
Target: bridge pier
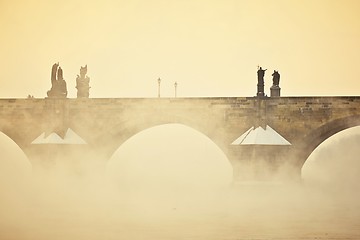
x,y
264,163
70,159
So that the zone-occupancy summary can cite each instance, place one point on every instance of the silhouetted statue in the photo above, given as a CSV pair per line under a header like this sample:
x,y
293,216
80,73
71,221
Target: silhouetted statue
x,y
53,72
260,85
58,84
276,78
60,74
82,83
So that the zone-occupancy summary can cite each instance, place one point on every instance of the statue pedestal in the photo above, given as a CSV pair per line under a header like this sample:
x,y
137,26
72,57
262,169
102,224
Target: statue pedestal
x,y
83,92
275,91
260,89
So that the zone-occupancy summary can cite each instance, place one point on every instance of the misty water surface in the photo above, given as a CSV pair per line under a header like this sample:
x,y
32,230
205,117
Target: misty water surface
x,y
171,182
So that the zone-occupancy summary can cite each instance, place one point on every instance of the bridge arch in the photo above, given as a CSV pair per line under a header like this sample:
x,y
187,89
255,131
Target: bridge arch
x,y
14,136
14,164
318,136
22,134
124,130
334,163
174,149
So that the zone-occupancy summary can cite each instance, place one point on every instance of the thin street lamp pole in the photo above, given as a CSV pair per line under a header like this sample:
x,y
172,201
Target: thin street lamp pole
x,y
175,84
159,81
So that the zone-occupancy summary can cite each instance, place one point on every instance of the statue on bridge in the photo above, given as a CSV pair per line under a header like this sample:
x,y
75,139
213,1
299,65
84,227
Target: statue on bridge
x,y
58,84
276,78
82,83
275,89
260,85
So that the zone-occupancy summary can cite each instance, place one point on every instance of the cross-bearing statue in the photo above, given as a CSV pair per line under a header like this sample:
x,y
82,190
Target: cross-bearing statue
x,y
260,85
58,84
82,83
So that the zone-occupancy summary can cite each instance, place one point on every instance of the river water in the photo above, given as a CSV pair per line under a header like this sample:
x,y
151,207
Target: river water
x,y
58,204
91,210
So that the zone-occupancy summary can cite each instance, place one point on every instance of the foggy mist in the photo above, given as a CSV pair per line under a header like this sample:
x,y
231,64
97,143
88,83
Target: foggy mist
x,y
172,182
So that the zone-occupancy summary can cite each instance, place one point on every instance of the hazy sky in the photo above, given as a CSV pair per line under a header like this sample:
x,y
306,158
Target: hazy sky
x,y
210,47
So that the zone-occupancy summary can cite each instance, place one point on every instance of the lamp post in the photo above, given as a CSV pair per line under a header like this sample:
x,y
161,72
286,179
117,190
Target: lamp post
x,y
159,81
175,85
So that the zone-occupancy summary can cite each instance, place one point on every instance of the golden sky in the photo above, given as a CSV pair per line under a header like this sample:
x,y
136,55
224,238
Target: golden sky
x,y
210,47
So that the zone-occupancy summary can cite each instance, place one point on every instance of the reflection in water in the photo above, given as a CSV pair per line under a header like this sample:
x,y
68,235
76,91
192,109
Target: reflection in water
x,y
54,204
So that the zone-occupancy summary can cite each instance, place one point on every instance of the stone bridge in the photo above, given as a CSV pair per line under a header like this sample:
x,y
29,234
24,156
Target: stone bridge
x,y
107,123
